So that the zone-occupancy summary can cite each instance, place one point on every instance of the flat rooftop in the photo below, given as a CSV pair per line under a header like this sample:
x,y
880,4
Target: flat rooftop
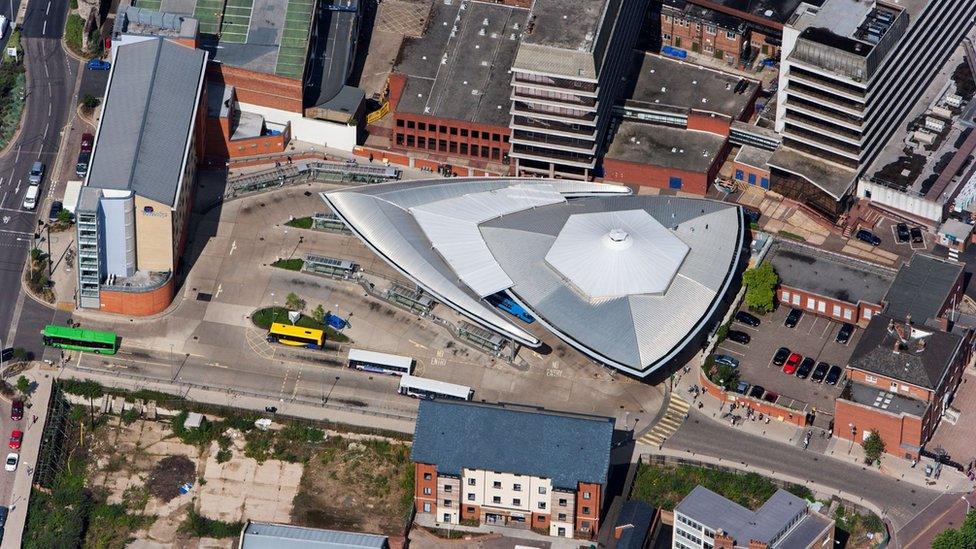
x,y
828,274
665,146
567,24
778,11
754,156
660,81
459,68
833,179
894,403
268,36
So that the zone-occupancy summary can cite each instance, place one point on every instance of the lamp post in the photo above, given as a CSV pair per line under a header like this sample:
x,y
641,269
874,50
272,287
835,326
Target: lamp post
x,y
853,434
325,399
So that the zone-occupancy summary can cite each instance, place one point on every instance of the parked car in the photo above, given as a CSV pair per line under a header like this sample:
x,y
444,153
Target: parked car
x,y
901,230
99,65
792,363
770,396
16,437
820,372
727,360
833,376
845,333
793,318
805,368
11,463
742,388
747,319
781,355
917,237
17,410
756,391
865,235
81,167
4,511
739,337
56,208
36,173
87,141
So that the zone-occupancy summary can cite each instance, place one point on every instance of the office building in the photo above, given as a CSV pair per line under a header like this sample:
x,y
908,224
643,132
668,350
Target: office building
x,y
134,209
567,74
850,70
512,467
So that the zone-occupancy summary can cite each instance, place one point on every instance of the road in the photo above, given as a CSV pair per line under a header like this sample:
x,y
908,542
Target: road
x,y
901,501
948,511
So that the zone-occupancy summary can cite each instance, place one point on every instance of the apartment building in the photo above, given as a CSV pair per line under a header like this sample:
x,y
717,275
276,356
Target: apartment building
x,y
704,520
850,70
133,211
566,76
512,467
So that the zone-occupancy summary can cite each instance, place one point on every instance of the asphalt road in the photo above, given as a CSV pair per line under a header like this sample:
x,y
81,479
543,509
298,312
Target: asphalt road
x,y
901,501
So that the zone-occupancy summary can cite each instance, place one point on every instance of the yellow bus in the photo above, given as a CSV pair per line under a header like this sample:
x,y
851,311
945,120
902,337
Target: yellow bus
x,y
296,336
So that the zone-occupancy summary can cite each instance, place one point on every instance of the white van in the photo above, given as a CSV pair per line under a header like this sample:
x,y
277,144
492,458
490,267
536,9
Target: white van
x,y
30,199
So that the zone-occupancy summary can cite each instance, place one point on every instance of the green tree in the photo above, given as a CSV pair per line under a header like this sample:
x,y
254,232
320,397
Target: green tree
x,y
963,538
874,446
760,284
23,385
294,303
64,216
90,102
318,314
727,376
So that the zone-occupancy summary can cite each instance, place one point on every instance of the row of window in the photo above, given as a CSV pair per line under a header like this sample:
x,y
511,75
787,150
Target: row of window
x,y
741,176
687,535
709,29
451,130
837,311
685,520
453,147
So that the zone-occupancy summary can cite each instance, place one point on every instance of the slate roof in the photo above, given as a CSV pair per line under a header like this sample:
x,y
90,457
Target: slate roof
x,y
875,352
742,525
565,448
922,287
637,515
268,535
147,119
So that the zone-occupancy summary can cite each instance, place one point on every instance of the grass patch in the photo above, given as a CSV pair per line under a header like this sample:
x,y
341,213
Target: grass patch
x,y
74,29
791,236
12,85
289,264
262,318
300,223
665,486
202,527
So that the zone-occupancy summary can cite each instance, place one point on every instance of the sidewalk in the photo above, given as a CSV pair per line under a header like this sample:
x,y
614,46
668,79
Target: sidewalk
x,y
427,521
834,448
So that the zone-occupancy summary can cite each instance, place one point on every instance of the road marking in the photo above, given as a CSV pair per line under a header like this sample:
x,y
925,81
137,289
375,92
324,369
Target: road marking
x,y
416,344
233,246
49,106
16,232
44,28
17,188
4,199
48,9
220,288
46,73
46,126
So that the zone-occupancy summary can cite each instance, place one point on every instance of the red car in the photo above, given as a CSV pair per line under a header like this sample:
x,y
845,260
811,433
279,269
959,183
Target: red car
x,y
792,363
15,439
87,142
17,410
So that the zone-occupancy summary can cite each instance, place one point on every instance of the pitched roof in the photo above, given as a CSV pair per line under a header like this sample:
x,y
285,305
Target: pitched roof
x,y
920,366
268,535
636,517
765,524
566,448
922,287
147,119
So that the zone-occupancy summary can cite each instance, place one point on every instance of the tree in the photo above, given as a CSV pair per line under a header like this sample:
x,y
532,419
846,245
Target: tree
x,y
294,303
23,385
64,216
963,538
727,376
874,446
318,314
760,284
90,102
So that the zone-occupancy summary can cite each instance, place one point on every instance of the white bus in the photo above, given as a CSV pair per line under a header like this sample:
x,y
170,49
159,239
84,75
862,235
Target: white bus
x,y
431,389
381,363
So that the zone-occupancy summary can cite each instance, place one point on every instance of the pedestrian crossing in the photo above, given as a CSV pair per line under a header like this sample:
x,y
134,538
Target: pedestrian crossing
x,y
673,418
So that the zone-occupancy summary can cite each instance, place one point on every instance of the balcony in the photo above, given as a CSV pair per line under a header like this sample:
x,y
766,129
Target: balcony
x,y
524,109
553,141
554,156
818,98
816,142
833,132
556,84
808,109
552,128
582,103
824,83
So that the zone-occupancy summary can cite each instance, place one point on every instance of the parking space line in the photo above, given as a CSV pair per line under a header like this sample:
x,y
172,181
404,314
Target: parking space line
x,y
733,351
739,325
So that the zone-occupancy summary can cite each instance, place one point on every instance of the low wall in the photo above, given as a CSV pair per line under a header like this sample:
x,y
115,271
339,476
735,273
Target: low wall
x,y
774,411
138,303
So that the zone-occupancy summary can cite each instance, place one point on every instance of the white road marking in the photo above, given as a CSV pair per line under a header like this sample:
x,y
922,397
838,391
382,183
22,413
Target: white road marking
x,y
4,199
46,126
49,106
17,188
220,288
233,246
44,29
46,73
16,232
48,9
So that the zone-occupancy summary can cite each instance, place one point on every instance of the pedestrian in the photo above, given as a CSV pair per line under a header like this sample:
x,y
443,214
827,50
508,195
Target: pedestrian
x,y
767,420
34,420
289,159
701,405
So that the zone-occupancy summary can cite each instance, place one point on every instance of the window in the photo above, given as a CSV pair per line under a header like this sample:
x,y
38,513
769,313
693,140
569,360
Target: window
x,y
739,175
667,18
471,509
471,482
426,506
447,517
868,313
427,476
710,29
811,303
399,123
836,310
517,487
848,314
542,490
586,495
561,532
443,129
447,503
496,137
448,488
427,491
785,297
464,132
752,179
411,124
730,35
708,48
496,499
561,516
453,130
470,497
586,526
796,299
674,182
667,37
422,126
764,183
517,502
894,387
870,379
562,502
821,307
497,484
542,505
586,510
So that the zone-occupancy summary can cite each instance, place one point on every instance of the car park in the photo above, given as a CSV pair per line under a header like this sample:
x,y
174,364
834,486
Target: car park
x,y
742,388
17,410
727,360
792,363
747,319
805,368
36,173
756,391
741,338
867,236
844,334
820,372
99,65
917,237
781,355
16,437
11,463
901,230
793,318
833,375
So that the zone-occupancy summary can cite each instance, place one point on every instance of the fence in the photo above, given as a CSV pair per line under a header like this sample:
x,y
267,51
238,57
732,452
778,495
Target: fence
x,y
305,171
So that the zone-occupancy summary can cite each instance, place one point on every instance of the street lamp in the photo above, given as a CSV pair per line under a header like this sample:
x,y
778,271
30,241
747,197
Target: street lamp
x,y
853,434
325,400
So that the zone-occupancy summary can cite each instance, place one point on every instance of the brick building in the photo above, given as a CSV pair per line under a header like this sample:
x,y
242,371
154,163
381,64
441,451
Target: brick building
x,y
704,519
905,369
750,166
828,284
498,465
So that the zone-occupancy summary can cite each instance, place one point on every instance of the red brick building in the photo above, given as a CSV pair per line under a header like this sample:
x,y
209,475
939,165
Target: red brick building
x,y
507,466
750,166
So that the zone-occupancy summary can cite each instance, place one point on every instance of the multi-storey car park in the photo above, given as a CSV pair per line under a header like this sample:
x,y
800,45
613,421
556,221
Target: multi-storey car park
x,y
630,281
850,70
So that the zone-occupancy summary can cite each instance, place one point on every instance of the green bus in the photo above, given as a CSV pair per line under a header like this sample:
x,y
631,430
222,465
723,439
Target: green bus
x,y
106,343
